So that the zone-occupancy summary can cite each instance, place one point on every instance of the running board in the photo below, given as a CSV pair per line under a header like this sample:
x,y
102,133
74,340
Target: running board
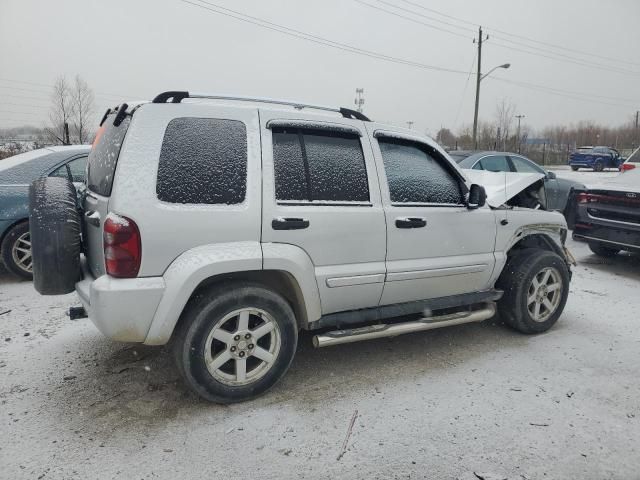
x,y
337,337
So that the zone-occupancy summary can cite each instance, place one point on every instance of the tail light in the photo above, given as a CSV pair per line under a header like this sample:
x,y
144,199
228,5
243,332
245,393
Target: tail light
x,y
585,198
122,246
627,166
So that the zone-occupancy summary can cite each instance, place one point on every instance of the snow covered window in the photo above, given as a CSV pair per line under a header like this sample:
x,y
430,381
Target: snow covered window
x,y
319,165
203,161
415,176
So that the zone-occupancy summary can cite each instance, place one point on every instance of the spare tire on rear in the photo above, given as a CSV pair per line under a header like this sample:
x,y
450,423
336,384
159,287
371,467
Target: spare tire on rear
x,y
54,222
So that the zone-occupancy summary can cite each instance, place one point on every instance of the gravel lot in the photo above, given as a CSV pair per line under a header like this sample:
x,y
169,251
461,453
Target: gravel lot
x,y
441,404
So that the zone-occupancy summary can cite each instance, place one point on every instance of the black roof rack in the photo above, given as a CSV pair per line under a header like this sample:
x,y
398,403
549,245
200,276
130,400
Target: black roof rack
x,y
178,96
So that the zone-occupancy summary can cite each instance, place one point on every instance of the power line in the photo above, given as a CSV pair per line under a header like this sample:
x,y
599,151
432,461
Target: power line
x,y
316,39
412,19
464,91
529,39
536,50
553,92
100,94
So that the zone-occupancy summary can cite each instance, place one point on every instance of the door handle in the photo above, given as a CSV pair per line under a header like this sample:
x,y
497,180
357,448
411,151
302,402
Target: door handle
x,y
411,222
282,223
92,217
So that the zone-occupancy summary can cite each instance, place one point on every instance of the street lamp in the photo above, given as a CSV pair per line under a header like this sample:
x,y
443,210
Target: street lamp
x,y
479,78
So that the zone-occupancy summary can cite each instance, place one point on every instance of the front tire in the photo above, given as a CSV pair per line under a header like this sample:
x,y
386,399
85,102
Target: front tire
x,y
603,250
234,343
16,251
536,286
574,168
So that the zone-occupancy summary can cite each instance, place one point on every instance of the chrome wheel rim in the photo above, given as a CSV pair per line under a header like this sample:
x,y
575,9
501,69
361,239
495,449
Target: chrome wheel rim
x,y
21,253
544,294
242,346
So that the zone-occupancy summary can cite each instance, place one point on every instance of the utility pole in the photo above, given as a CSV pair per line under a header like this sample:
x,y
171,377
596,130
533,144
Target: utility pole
x,y
519,117
359,99
478,75
637,114
410,124
66,141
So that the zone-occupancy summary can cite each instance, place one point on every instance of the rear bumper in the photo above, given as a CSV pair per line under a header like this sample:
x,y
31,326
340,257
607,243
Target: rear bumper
x,y
121,308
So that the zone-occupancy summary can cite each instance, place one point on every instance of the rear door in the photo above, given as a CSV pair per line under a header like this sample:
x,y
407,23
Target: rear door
x,y
436,246
321,194
101,168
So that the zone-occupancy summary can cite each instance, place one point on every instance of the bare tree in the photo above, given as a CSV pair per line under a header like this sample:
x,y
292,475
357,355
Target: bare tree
x,y
60,112
82,109
72,107
505,113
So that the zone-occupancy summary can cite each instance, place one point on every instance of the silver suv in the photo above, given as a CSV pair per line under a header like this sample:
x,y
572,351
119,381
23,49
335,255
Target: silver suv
x,y
225,225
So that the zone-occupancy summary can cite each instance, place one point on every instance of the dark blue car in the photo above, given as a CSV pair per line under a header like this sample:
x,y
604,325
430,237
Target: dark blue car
x,y
16,174
595,158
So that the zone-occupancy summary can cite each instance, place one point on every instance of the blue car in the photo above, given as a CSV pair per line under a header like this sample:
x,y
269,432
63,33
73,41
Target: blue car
x,y
16,174
595,158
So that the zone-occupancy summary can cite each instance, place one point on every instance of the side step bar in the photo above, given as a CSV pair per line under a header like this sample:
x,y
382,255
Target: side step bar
x,y
337,337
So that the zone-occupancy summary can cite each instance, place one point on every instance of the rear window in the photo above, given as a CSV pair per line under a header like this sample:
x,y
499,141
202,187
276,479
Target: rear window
x,y
203,161
104,155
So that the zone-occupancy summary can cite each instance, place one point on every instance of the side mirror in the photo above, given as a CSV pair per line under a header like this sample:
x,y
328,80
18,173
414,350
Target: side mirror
x,y
551,175
477,197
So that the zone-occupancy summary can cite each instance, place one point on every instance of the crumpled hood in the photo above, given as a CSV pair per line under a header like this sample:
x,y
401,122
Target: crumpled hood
x,y
502,186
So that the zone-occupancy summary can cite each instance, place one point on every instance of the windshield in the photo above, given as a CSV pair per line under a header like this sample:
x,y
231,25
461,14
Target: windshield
x,y
635,156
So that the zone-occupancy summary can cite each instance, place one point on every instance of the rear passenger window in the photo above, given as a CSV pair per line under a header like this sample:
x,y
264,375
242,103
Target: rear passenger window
x,y
203,160
495,163
415,176
317,165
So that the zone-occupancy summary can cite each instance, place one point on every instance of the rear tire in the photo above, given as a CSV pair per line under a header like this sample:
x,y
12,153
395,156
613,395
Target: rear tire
x,y
536,286
598,166
54,222
235,342
603,250
16,251
574,168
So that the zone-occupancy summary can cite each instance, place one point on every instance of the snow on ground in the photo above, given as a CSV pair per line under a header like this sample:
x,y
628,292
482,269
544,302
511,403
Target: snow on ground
x,y
588,177
440,404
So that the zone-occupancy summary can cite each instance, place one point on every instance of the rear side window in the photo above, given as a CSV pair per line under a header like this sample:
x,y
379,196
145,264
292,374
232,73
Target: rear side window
x,y
494,163
415,176
104,155
204,161
319,165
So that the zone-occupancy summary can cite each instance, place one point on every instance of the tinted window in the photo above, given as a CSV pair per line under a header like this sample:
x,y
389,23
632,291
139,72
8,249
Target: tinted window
x,y
104,155
319,165
78,168
203,160
289,165
495,163
60,172
414,175
525,166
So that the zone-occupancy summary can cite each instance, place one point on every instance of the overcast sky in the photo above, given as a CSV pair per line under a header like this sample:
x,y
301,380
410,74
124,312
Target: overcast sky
x,y
134,49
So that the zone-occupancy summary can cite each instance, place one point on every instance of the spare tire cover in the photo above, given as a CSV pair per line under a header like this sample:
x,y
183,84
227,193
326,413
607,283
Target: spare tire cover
x,y
54,223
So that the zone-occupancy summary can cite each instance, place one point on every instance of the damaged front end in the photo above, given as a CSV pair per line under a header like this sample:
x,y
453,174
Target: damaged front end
x,y
509,189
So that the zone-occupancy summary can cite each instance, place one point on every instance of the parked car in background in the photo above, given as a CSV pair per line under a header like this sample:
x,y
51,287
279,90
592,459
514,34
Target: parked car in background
x,y
632,162
16,174
557,189
595,158
607,216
